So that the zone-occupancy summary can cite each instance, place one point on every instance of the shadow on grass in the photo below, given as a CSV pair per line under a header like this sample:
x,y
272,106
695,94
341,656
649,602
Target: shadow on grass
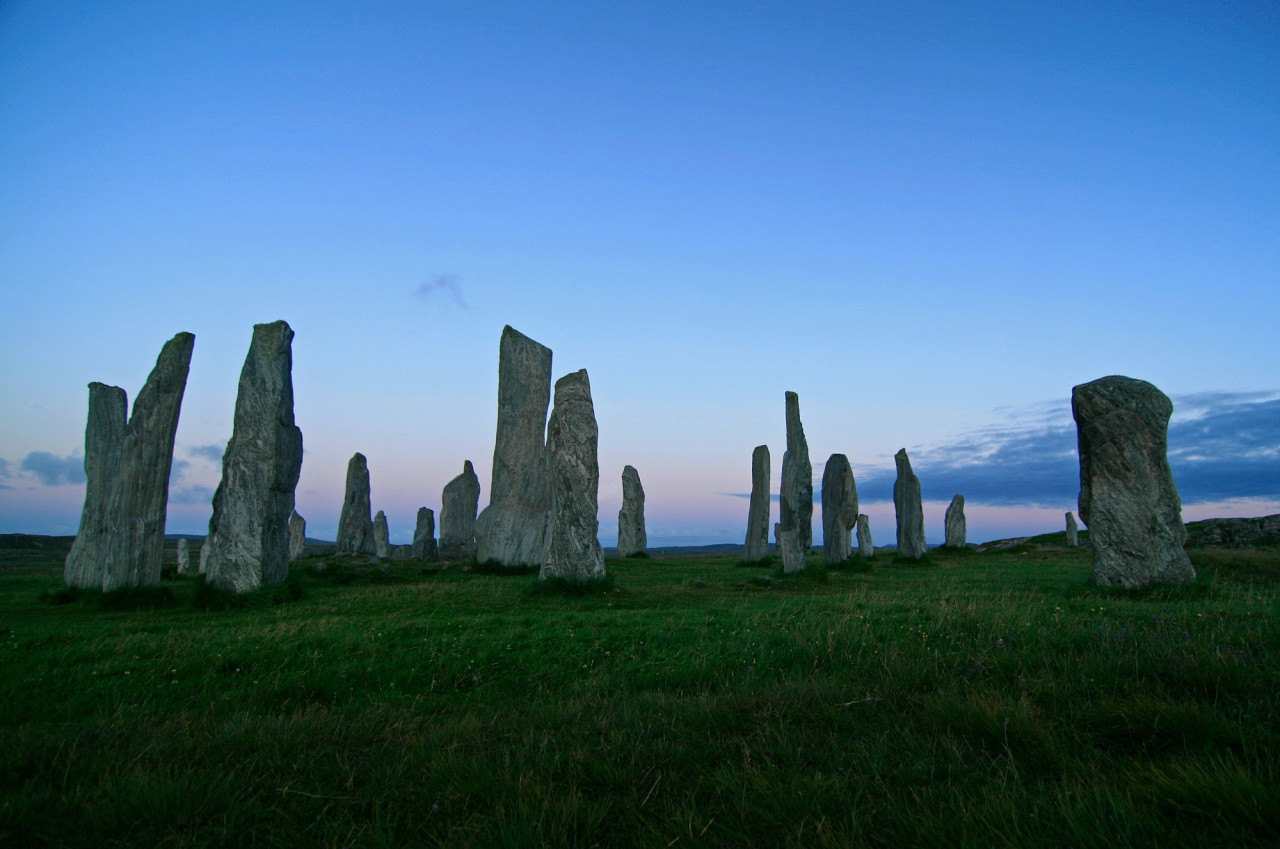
x,y
210,598
563,588
493,567
134,598
763,563
1202,588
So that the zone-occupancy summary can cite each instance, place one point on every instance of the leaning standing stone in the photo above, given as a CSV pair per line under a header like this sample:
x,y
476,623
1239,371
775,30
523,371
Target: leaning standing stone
x,y
909,510
757,545
249,529
839,508
865,548
139,499
1073,531
1127,496
381,538
512,529
796,502
955,524
297,536
103,441
573,548
184,558
458,505
355,523
632,538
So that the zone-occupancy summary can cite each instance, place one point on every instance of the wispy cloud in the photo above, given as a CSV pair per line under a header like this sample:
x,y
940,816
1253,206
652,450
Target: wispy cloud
x,y
212,453
4,468
448,286
191,495
53,470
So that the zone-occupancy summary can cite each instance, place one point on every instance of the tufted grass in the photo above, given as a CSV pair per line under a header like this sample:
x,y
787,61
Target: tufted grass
x,y
975,700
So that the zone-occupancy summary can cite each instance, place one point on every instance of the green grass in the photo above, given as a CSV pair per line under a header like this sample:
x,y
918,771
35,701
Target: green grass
x,y
991,699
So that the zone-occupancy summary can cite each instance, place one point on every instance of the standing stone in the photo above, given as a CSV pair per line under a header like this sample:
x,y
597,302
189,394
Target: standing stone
x,y
865,548
796,507
381,538
839,508
1128,498
632,538
458,504
573,550
512,529
205,550
297,536
139,499
355,523
909,509
955,524
424,536
103,440
792,553
185,566
757,545
249,529
1073,531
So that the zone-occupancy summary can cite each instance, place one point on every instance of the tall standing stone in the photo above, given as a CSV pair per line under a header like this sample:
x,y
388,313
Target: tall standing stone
x,y
839,508
956,531
865,548
355,523
796,507
790,549
1128,498
632,538
185,566
1073,531
139,500
573,550
424,536
458,505
297,536
909,509
103,440
249,529
757,544
511,530
381,537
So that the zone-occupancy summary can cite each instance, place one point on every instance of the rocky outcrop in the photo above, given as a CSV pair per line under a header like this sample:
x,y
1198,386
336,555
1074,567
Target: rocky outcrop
x,y
796,502
511,530
632,538
909,509
458,505
103,440
1073,531
134,552
865,548
1127,496
249,529
757,545
424,537
956,531
381,537
573,551
1260,531
839,508
355,523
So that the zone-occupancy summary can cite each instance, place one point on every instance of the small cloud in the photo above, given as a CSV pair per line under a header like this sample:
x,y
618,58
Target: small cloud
x,y
176,470
4,468
191,495
446,285
212,453
53,470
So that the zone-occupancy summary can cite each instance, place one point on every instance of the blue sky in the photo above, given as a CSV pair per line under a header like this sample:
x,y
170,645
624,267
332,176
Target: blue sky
x,y
929,220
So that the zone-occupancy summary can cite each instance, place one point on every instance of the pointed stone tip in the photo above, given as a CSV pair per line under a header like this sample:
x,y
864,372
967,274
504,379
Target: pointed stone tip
x,y
467,468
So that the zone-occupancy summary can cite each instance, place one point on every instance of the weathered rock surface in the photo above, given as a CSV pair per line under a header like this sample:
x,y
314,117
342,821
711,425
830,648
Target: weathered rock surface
x,y
956,530
103,441
865,548
511,530
909,509
297,535
757,545
424,536
185,566
573,551
791,551
796,501
839,508
1265,530
1128,498
1073,530
632,538
139,500
458,505
381,537
355,523
249,529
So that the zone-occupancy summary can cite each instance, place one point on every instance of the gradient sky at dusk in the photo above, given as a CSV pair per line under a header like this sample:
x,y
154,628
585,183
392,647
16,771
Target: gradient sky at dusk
x,y
929,220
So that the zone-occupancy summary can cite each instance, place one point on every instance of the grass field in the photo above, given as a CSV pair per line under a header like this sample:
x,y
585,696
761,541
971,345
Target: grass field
x,y
992,699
